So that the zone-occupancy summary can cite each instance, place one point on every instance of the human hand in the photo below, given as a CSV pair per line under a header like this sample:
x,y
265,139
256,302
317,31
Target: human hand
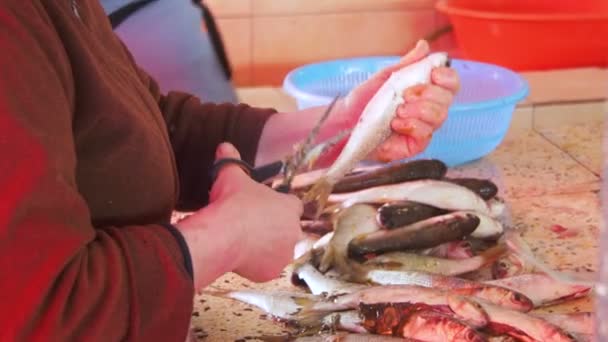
x,y
259,226
423,112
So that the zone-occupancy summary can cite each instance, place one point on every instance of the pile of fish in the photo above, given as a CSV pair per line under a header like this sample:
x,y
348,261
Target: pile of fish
x,y
390,256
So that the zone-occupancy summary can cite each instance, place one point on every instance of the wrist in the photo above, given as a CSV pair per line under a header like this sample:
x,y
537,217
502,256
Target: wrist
x,y
214,249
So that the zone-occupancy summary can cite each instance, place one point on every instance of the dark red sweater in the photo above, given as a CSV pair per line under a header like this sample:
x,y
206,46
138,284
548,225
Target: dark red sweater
x,y
94,160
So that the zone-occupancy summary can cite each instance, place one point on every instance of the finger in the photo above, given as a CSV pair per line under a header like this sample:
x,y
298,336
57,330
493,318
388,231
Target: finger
x,y
428,92
429,112
399,146
447,78
230,172
393,148
412,127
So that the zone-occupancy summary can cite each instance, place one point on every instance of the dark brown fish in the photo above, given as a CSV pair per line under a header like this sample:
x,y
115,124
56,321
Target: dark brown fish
x,y
424,234
400,214
485,188
396,173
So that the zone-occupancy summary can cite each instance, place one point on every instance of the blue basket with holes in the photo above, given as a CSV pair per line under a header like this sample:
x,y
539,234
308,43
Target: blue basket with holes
x,y
477,122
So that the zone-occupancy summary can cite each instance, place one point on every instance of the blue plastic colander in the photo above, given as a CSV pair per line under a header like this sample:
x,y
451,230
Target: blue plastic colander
x,y
477,121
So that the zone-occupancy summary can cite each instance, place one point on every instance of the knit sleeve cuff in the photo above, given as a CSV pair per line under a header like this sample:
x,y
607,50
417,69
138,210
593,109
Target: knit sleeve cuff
x,y
183,246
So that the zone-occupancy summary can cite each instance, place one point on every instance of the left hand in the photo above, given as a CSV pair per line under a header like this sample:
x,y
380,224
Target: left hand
x,y
424,111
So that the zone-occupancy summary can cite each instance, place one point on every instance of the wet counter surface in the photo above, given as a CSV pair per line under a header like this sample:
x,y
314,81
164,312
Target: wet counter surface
x,y
548,174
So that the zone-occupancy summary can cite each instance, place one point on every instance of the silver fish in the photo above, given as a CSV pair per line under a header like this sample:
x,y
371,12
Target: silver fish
x,y
279,304
494,294
579,323
541,288
320,284
350,223
439,194
413,262
373,126
462,307
532,326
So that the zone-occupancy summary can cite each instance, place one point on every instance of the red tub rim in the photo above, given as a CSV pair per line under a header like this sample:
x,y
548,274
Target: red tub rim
x,y
442,6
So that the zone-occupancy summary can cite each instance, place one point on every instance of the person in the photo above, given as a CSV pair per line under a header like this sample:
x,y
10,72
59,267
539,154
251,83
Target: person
x,y
166,39
96,158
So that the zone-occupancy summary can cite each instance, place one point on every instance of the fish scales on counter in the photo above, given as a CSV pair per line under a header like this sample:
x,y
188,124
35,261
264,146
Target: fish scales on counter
x,y
423,234
373,126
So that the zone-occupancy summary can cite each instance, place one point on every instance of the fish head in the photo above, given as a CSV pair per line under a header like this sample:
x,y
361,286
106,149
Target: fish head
x,y
468,310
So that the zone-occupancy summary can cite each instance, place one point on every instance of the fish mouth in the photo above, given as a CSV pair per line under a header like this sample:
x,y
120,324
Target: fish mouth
x,y
448,62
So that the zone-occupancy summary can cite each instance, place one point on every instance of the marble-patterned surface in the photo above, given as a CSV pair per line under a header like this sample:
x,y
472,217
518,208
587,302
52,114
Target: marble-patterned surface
x,y
226,320
582,141
526,164
548,177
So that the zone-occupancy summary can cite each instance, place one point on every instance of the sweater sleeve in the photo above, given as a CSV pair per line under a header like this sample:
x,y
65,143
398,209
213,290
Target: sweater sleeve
x,y
196,128
62,279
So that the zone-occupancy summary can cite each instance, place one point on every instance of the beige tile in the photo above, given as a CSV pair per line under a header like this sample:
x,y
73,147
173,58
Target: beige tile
x,y
291,7
577,249
282,43
555,115
567,85
236,33
267,97
229,8
521,122
526,164
582,141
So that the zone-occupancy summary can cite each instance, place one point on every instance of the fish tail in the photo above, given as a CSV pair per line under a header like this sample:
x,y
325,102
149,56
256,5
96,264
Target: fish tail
x,y
216,292
492,254
316,197
311,314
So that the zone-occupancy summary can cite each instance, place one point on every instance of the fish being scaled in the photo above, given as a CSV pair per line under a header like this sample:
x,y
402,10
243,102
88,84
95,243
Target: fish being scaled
x,y
542,289
373,126
439,194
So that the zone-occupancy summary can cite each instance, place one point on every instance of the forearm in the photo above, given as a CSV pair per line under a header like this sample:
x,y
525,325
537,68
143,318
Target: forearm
x,y
282,131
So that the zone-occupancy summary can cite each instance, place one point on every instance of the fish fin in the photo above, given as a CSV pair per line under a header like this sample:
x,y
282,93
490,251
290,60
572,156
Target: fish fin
x,y
216,292
493,253
317,196
309,316
327,260
516,244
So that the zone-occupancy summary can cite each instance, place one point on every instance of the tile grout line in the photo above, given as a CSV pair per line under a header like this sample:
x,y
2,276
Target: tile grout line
x,y
565,152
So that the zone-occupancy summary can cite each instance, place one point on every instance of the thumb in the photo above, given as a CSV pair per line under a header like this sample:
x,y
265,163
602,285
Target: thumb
x,y
226,150
229,173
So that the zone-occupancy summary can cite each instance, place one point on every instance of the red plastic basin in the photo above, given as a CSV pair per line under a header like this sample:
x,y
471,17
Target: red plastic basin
x,y
531,34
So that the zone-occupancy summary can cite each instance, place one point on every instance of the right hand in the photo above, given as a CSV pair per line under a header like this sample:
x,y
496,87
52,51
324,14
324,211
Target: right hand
x,y
262,224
